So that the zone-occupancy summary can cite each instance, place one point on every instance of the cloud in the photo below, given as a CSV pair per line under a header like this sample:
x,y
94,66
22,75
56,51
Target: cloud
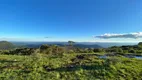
x,y
126,35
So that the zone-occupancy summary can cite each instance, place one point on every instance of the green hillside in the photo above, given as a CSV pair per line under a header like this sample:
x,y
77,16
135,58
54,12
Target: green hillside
x,y
4,45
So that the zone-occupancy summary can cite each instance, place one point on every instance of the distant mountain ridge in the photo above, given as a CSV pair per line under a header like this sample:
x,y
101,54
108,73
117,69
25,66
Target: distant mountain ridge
x,y
77,44
38,44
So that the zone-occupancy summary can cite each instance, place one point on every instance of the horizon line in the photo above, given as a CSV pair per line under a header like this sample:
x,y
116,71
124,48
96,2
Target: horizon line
x,y
81,41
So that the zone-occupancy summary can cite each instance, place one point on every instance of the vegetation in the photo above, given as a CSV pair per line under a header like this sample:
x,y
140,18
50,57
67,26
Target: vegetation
x,y
4,45
68,67
133,50
55,49
52,62
71,43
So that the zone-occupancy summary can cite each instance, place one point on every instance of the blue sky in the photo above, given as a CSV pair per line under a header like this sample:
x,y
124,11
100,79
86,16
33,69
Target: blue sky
x,y
63,20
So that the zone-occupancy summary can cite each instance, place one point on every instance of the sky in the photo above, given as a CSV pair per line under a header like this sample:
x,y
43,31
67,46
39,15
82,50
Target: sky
x,y
77,20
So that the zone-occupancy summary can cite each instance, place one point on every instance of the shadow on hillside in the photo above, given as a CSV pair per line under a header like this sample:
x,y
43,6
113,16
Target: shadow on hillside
x,y
77,67
8,61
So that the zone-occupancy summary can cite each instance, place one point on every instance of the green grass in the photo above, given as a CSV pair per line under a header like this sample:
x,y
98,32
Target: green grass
x,y
68,67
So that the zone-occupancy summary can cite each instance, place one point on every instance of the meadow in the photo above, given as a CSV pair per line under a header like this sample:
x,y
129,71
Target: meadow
x,y
69,67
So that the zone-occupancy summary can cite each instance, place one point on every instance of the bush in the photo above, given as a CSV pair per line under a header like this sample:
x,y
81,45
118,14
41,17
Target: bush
x,y
98,50
71,51
43,48
132,51
52,49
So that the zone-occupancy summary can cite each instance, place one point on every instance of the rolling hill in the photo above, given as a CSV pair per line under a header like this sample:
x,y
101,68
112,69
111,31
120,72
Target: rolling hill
x,y
5,45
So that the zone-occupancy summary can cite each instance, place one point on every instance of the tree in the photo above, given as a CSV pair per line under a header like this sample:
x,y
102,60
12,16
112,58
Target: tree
x,y
132,51
71,43
98,50
120,50
140,43
43,48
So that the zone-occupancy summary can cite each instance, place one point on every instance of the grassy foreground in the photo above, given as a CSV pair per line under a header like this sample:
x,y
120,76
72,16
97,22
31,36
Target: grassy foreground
x,y
69,67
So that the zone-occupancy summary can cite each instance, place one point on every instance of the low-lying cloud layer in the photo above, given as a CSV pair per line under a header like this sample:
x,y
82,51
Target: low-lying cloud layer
x,y
126,35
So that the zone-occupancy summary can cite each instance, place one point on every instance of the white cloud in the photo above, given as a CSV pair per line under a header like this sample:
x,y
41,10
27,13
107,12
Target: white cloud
x,y
125,35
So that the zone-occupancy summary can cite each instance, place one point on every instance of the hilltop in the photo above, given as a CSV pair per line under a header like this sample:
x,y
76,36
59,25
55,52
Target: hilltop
x,y
5,45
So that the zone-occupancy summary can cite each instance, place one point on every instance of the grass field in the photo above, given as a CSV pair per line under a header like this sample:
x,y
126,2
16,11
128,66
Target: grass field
x,y
69,67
